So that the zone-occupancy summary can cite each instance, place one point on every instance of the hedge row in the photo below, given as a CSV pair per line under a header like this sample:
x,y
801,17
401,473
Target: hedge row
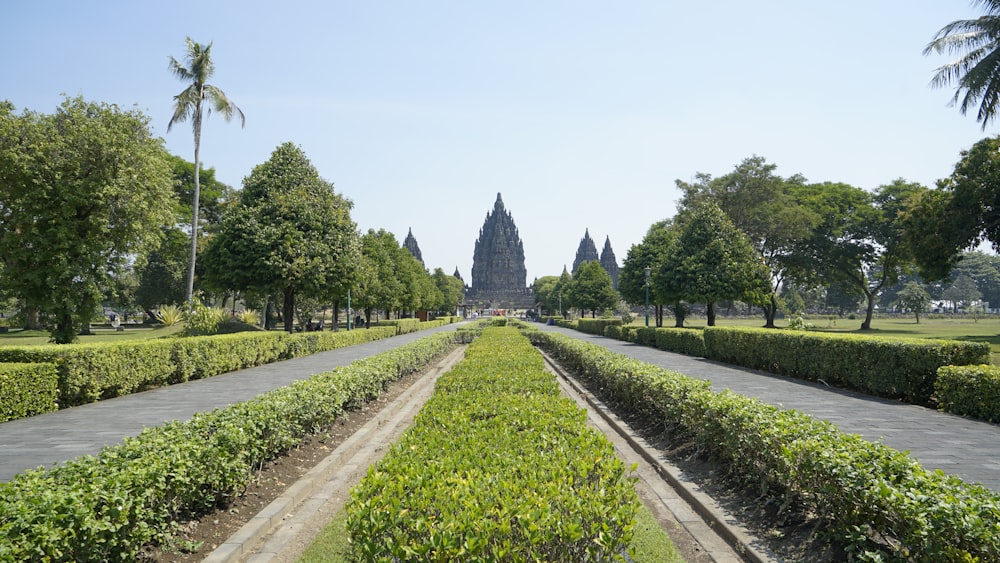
x,y
878,502
895,368
27,390
404,326
496,467
597,326
969,391
96,371
110,506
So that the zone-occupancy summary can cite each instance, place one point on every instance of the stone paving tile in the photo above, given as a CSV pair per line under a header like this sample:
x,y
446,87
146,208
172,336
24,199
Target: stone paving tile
x,y
956,445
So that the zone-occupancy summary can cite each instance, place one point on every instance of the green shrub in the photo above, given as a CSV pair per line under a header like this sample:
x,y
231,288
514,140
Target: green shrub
x,y
110,506
249,316
496,467
170,315
204,320
680,340
969,391
878,502
27,390
896,368
596,326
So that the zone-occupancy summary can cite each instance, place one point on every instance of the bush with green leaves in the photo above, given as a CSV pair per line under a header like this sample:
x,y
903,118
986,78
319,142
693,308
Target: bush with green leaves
x,y
170,315
28,389
597,326
249,316
895,368
969,391
108,507
496,467
204,320
877,502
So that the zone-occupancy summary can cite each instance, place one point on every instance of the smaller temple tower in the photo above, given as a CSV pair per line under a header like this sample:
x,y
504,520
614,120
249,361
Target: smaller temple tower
x,y
411,244
609,262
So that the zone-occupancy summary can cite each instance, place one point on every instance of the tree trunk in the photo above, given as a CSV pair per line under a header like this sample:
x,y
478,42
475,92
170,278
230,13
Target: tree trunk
x,y
64,333
917,314
195,204
31,321
288,311
336,315
710,314
869,311
771,311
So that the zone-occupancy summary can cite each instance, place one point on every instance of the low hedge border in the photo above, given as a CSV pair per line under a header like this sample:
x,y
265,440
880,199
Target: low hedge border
x,y
878,502
496,467
597,326
894,368
972,391
92,372
27,390
110,506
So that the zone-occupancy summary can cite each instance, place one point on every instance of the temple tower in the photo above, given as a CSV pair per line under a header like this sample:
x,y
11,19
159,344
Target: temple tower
x,y
586,252
609,262
498,272
411,244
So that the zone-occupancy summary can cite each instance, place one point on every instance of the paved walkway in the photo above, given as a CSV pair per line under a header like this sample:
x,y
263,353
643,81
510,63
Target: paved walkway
x,y
956,445
953,444
55,437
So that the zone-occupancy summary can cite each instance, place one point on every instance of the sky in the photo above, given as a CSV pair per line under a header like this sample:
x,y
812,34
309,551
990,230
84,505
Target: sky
x,y
582,114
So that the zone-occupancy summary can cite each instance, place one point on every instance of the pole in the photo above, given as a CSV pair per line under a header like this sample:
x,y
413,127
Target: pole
x,y
648,271
348,309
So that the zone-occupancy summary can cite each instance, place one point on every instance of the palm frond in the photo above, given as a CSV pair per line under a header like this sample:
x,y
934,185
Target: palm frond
x,y
223,105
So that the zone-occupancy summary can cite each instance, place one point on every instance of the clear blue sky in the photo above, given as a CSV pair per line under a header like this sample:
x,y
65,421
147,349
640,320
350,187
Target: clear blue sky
x,y
582,113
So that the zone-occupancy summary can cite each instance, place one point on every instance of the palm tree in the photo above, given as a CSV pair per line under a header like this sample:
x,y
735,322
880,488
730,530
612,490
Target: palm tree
x,y
189,103
977,71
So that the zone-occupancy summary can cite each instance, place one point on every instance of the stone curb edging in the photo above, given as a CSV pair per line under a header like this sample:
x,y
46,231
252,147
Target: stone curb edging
x,y
267,522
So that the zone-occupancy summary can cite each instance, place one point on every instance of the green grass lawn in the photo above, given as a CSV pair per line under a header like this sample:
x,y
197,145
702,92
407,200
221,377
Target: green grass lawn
x,y
131,332
651,543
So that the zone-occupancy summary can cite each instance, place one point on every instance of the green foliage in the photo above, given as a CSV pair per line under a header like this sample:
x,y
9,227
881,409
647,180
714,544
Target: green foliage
x,y
914,297
289,233
170,315
249,316
162,271
596,326
878,502
592,288
203,320
681,340
83,190
108,507
969,391
27,390
896,368
460,485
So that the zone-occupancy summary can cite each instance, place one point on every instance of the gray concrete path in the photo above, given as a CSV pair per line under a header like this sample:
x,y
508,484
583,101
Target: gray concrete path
x,y
967,448
55,437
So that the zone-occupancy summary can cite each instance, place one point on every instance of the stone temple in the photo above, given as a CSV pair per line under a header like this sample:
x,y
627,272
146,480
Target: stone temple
x,y
498,273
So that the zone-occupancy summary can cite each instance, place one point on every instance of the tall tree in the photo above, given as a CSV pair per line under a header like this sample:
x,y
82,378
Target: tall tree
x,y
289,232
652,252
379,288
714,261
451,289
190,103
81,191
862,242
914,298
593,289
543,290
977,71
761,204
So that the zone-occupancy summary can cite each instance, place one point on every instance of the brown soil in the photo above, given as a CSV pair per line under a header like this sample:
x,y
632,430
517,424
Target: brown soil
x,y
789,535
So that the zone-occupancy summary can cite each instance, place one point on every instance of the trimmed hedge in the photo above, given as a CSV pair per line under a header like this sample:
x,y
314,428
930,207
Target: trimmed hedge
x,y
969,391
688,341
895,368
95,371
27,390
110,506
496,467
596,326
878,502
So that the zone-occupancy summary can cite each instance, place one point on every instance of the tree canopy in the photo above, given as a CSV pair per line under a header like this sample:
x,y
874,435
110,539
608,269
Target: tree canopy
x,y
81,191
289,232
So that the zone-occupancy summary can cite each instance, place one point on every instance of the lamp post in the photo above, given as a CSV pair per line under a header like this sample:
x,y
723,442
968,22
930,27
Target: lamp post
x,y
560,305
648,272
